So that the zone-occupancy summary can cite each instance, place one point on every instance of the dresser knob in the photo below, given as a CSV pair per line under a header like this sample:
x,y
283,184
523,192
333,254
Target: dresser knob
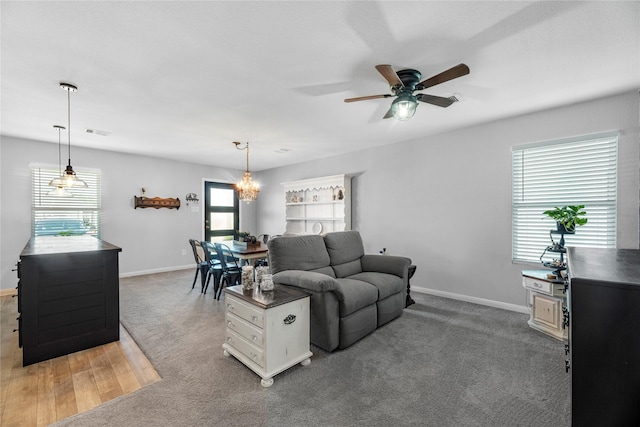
x,y
567,365
229,339
566,349
229,323
254,338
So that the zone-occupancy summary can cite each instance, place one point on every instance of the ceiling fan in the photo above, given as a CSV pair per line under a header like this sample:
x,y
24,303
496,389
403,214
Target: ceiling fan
x,y
404,82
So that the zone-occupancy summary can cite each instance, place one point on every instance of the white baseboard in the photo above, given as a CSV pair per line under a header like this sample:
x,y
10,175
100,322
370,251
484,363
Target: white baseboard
x,y
157,270
475,300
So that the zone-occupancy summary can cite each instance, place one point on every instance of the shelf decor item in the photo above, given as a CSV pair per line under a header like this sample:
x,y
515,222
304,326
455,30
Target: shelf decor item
x,y
247,277
261,270
267,283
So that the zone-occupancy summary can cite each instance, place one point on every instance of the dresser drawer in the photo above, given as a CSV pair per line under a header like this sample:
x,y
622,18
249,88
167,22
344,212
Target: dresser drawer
x,y
245,311
245,329
254,353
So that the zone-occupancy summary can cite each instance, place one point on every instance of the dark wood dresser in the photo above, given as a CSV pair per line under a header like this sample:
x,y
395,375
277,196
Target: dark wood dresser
x,y
604,336
68,296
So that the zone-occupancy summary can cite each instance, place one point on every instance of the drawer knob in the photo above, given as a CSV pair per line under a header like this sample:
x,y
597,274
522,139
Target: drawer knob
x,y
229,323
229,340
567,365
254,338
289,319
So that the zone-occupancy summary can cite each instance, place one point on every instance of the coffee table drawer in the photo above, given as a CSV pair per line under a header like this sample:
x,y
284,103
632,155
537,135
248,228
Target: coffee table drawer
x,y
254,353
247,312
245,329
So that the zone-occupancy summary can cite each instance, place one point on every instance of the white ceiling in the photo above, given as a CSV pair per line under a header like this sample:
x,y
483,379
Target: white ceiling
x,y
182,80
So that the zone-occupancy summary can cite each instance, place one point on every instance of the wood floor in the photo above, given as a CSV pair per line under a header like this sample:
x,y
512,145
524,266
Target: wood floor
x,y
46,392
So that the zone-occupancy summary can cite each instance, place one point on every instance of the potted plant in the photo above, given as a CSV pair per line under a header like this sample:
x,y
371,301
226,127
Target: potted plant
x,y
567,217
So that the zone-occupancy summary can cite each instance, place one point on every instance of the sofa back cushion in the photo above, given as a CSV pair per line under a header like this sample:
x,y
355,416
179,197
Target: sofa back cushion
x,y
298,253
345,249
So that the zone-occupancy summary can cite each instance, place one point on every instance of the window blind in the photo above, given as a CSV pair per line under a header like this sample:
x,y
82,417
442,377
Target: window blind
x,y
576,172
55,215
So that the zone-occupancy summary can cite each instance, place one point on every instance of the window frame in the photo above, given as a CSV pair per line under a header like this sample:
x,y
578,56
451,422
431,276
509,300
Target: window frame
x,y
572,171
85,205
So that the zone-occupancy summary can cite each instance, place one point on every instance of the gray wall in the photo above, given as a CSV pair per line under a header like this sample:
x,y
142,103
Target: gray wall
x,y
152,240
445,201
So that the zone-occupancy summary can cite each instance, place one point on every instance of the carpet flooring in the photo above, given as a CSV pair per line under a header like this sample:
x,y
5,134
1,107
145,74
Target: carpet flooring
x,y
442,363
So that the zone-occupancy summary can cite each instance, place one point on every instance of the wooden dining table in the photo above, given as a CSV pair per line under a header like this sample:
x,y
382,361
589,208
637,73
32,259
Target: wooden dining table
x,y
247,254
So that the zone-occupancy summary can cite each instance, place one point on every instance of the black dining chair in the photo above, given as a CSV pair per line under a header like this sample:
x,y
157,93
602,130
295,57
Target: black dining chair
x,y
231,271
201,263
213,267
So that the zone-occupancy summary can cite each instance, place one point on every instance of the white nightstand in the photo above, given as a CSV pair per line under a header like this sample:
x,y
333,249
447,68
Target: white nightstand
x,y
547,300
267,331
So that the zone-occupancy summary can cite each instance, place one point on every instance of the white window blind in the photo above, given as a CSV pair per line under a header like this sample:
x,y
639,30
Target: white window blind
x,y
55,215
575,172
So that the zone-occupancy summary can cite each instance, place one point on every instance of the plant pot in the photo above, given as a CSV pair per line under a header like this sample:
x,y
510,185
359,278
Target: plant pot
x,y
563,230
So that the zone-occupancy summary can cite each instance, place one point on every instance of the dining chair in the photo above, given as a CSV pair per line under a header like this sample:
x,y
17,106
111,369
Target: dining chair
x,y
213,267
201,263
231,271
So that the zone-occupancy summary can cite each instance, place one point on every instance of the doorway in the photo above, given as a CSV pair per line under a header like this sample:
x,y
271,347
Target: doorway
x,y
222,212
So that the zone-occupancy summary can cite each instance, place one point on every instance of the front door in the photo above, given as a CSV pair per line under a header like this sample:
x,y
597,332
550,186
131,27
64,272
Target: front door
x,y
221,217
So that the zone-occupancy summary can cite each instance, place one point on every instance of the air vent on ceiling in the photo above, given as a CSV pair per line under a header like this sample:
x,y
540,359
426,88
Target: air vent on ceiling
x,y
98,132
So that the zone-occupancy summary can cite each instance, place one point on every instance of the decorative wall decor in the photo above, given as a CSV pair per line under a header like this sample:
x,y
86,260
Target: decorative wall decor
x,y
192,197
156,202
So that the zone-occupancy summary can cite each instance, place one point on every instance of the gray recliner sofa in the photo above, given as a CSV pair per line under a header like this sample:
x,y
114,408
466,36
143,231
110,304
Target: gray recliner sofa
x,y
351,293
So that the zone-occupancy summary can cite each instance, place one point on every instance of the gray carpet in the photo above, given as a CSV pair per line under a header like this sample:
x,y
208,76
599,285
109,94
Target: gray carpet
x,y
443,363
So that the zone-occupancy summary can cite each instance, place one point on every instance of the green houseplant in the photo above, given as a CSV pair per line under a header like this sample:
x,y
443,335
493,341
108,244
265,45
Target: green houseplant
x,y
568,217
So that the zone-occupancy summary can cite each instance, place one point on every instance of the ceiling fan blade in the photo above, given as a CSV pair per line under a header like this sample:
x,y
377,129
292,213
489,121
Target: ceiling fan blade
x,y
364,98
450,74
388,115
436,100
391,76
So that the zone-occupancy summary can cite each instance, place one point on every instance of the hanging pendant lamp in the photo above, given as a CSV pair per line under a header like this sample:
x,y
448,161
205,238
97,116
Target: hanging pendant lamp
x,y
59,191
247,189
68,179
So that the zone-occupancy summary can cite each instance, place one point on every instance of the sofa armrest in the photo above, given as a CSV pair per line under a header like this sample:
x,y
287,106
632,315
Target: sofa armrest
x,y
390,264
309,280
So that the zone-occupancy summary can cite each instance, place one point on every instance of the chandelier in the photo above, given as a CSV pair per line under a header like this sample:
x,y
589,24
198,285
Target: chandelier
x,y
247,189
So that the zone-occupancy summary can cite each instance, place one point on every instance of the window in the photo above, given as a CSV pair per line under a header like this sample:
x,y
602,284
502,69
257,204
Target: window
x,y
58,216
222,212
572,172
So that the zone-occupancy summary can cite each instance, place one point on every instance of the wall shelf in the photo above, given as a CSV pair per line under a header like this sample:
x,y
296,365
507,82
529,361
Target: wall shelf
x,y
318,205
156,202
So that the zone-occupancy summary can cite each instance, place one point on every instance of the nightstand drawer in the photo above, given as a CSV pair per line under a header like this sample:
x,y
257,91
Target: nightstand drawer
x,y
245,311
537,285
254,353
245,329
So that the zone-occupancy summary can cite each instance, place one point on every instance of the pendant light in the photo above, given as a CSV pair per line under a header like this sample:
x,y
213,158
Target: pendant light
x,y
69,179
59,191
247,189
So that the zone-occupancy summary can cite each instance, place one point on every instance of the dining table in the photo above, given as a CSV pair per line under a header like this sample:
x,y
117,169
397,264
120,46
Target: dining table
x,y
246,254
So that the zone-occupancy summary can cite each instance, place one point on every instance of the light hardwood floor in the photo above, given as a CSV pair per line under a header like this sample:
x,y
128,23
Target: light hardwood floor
x,y
46,392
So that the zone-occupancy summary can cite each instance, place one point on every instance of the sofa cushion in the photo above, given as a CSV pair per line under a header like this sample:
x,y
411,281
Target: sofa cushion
x,y
297,253
347,269
345,250
387,284
354,295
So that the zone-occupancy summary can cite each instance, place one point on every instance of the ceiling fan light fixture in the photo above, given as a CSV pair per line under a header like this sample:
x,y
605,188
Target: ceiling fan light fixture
x,y
404,106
